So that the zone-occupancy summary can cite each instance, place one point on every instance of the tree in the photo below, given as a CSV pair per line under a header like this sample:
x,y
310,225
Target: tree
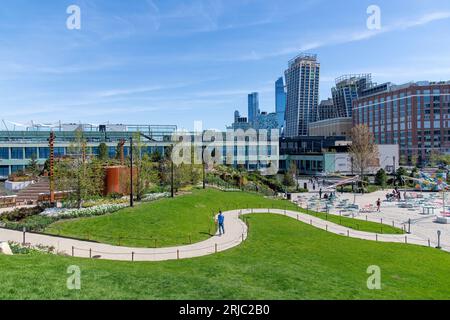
x,y
288,177
80,176
33,166
103,152
147,171
381,178
363,149
401,172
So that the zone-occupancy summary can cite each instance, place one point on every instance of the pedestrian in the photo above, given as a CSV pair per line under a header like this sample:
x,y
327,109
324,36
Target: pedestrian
x,y
314,187
320,193
378,205
220,221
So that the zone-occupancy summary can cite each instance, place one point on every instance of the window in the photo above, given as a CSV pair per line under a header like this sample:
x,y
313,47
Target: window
x,y
59,151
30,152
15,169
112,152
44,153
16,153
4,153
4,170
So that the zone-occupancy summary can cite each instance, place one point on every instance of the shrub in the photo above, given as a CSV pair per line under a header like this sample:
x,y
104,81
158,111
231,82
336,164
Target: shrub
x,y
381,178
22,213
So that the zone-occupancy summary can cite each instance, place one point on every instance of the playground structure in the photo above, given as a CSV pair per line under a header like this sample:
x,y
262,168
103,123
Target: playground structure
x,y
430,182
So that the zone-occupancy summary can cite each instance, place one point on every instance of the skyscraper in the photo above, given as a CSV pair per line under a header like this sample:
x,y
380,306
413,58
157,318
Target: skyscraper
x,y
253,107
280,101
302,81
348,89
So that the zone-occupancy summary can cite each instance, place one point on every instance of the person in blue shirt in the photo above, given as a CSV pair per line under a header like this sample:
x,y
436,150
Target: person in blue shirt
x,y
220,221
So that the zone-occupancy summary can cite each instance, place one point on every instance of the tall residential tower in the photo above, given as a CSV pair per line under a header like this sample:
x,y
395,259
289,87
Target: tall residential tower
x,y
253,107
347,89
280,102
302,82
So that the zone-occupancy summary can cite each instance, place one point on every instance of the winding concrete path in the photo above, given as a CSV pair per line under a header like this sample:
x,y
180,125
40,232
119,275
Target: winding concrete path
x,y
236,233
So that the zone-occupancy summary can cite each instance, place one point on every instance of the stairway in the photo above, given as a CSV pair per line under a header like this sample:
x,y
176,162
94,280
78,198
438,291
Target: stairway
x,y
31,193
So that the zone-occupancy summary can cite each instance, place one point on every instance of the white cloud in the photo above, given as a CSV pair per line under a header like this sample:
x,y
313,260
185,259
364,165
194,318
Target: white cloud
x,y
344,36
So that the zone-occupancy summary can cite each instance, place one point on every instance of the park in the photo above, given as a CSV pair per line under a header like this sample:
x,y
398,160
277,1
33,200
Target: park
x,y
281,258
153,233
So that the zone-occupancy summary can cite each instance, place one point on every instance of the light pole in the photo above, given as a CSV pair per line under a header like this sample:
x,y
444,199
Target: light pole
x,y
439,239
171,176
395,174
203,167
131,173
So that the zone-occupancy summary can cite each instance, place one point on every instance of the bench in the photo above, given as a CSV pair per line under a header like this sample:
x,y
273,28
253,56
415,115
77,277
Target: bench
x,y
8,201
443,220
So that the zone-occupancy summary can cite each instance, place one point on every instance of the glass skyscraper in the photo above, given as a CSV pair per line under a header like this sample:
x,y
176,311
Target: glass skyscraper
x,y
280,102
302,81
253,107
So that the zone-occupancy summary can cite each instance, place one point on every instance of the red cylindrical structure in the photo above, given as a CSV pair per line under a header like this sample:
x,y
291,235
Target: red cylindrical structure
x,y
117,179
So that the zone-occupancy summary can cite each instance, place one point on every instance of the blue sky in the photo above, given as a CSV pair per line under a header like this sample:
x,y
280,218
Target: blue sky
x,y
175,62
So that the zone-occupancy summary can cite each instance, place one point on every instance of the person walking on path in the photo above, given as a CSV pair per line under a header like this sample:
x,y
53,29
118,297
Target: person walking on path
x,y
220,221
320,193
378,205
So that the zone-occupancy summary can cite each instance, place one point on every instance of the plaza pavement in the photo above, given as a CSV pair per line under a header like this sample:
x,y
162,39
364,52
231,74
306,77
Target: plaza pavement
x,y
236,233
423,226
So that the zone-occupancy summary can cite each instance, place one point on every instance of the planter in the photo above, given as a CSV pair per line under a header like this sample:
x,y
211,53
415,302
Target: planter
x,y
16,186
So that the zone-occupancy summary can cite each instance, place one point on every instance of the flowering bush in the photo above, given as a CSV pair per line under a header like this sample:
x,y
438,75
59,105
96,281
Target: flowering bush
x,y
155,196
18,248
84,212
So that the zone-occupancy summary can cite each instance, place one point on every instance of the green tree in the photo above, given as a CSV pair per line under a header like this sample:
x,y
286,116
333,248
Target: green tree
x,y
79,175
401,172
33,166
103,151
146,169
381,178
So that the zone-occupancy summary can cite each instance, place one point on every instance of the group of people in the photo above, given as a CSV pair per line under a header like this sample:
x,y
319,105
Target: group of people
x,y
327,196
395,195
315,181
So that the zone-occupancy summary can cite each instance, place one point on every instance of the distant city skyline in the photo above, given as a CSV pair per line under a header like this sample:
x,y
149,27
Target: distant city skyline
x,y
149,61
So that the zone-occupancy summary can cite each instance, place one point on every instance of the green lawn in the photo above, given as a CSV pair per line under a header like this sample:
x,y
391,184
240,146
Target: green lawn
x,y
282,259
355,223
182,220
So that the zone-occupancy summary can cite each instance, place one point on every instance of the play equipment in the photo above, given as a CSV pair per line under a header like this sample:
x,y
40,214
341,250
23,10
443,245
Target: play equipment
x,y
430,182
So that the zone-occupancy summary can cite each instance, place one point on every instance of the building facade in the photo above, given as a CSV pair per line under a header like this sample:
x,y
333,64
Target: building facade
x,y
253,107
267,121
17,148
330,155
302,82
332,127
347,89
327,110
280,102
416,116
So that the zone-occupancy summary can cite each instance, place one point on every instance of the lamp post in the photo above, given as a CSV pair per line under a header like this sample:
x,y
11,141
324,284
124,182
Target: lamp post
x,y
395,175
131,173
439,239
171,176
203,167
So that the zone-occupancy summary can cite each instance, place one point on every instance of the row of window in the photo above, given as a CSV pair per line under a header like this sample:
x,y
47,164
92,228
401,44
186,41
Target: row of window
x,y
5,170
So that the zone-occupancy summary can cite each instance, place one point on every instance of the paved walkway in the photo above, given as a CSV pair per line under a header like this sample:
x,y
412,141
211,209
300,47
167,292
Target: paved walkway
x,y
422,225
236,233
